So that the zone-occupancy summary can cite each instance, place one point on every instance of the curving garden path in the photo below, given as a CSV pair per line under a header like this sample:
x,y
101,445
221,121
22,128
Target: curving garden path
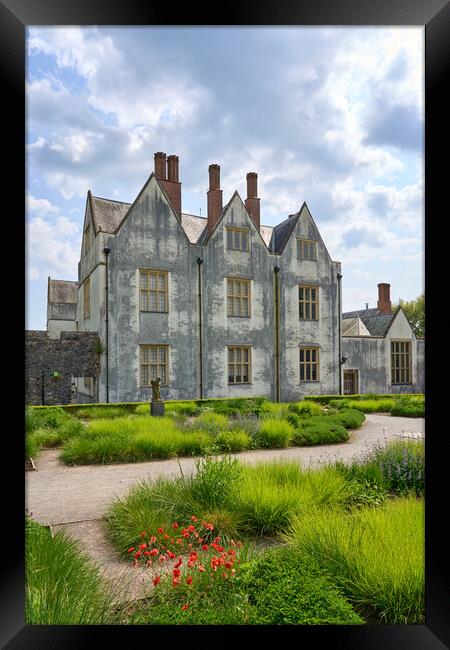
x,y
76,498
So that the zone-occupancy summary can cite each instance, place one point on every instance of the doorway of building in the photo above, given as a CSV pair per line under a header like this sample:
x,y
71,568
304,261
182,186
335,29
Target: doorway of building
x,y
350,382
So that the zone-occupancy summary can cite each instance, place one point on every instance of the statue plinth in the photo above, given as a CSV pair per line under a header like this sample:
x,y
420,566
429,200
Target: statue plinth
x,y
157,408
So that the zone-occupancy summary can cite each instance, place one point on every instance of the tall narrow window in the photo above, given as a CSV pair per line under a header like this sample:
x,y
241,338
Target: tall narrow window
x,y
154,362
239,364
87,298
306,249
401,362
238,297
309,364
153,291
238,239
308,298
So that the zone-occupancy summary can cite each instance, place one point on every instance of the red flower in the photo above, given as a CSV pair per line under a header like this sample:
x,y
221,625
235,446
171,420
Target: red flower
x,y
189,580
142,546
228,565
205,547
176,572
156,580
175,582
171,555
194,518
201,568
160,530
217,539
154,551
153,539
146,552
137,554
184,608
166,536
130,550
143,534
175,525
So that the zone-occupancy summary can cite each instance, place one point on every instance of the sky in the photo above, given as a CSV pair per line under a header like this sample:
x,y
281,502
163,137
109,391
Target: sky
x,y
330,116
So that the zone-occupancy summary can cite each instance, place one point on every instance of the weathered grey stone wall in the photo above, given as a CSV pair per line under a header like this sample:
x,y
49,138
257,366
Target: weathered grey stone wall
x,y
72,355
420,377
322,333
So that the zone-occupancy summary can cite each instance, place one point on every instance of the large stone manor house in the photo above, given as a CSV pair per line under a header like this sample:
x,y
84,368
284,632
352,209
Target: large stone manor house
x,y
222,305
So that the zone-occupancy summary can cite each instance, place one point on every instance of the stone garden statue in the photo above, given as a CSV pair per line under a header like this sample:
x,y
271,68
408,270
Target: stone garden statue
x,y
156,394
156,405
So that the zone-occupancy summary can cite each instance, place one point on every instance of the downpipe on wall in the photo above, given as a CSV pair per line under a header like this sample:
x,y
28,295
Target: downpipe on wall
x,y
276,270
107,251
200,333
339,278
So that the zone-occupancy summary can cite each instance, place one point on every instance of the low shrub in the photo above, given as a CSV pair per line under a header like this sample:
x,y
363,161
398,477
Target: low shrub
x,y
62,586
319,430
51,418
375,556
349,418
283,590
408,407
373,405
402,464
233,441
274,433
97,412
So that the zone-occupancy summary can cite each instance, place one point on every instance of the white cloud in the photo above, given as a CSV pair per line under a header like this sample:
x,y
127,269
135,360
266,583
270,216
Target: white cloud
x,y
41,206
52,248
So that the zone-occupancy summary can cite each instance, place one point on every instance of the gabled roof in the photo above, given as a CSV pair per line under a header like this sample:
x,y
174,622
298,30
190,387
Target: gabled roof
x,y
62,291
107,214
377,322
282,232
193,226
266,234
354,327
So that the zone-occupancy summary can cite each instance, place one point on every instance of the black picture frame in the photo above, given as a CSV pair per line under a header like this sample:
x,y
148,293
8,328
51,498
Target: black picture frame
x,y
434,15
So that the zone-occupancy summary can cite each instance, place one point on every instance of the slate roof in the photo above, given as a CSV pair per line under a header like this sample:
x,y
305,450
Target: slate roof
x,y
282,232
374,320
354,327
62,291
107,213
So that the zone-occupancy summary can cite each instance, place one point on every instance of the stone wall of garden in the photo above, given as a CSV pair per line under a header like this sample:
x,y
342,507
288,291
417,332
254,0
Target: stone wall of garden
x,y
50,364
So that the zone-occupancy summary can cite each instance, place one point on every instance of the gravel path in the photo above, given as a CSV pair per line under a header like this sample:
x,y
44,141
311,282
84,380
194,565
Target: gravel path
x,y
75,499
57,494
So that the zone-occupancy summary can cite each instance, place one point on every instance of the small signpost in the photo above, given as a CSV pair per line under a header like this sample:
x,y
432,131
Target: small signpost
x,y
156,405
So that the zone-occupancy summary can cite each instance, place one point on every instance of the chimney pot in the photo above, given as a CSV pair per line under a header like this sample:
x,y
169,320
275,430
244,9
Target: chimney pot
x,y
214,196
160,165
252,203
384,298
172,169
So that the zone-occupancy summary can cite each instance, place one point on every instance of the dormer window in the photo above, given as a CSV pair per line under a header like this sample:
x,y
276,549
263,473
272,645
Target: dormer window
x,y
306,249
238,239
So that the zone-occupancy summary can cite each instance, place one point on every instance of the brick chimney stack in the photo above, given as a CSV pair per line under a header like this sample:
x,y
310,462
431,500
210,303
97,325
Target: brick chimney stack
x,y
160,166
214,195
252,203
384,298
166,171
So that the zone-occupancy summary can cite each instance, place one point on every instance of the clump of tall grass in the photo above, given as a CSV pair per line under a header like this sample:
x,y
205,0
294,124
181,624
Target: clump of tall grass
x,y
274,433
232,441
46,437
375,556
103,412
373,405
408,406
269,494
306,408
211,422
62,586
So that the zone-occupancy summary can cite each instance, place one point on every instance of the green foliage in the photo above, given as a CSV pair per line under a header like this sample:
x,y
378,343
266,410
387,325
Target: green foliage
x,y
62,586
215,480
233,441
326,399
283,590
211,422
375,556
306,408
97,412
408,406
414,312
402,464
349,418
319,430
274,433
